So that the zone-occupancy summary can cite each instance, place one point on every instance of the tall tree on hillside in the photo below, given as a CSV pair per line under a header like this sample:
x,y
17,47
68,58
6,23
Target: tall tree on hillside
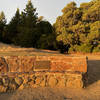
x,y
2,24
11,30
30,15
28,32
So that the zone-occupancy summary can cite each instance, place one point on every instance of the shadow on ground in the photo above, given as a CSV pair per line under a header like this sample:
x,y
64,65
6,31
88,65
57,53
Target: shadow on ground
x,y
93,71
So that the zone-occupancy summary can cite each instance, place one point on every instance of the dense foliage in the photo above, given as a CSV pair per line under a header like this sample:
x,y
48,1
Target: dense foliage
x,y
79,27
26,29
2,25
76,30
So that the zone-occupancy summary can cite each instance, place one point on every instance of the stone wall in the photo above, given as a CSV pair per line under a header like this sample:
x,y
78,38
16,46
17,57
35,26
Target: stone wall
x,y
42,63
19,81
19,72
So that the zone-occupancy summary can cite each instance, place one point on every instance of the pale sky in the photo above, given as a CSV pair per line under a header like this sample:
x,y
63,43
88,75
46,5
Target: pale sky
x,y
50,9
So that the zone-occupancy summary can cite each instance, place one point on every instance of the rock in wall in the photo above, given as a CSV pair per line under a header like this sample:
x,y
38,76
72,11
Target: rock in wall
x,y
15,81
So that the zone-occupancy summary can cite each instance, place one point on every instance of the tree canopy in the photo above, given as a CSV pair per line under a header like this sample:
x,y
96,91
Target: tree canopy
x,y
79,27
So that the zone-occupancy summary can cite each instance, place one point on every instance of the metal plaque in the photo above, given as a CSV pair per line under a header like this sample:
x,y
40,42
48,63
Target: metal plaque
x,y
42,65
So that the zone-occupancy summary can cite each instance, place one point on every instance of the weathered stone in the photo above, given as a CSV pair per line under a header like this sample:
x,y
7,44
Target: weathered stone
x,y
26,79
6,81
74,82
65,63
49,79
3,65
31,84
53,63
52,81
19,80
38,80
24,86
33,78
26,63
3,88
21,64
43,83
61,81
21,87
41,63
12,86
41,71
61,66
80,64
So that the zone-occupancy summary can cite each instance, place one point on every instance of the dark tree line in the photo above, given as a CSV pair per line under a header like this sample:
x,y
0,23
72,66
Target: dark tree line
x,y
77,30
26,29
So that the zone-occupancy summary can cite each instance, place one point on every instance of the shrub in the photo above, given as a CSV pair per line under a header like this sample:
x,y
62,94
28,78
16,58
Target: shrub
x,y
96,49
73,49
85,48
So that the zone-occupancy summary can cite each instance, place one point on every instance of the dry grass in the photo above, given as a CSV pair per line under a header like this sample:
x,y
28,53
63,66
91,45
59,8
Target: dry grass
x,y
91,93
11,50
38,94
